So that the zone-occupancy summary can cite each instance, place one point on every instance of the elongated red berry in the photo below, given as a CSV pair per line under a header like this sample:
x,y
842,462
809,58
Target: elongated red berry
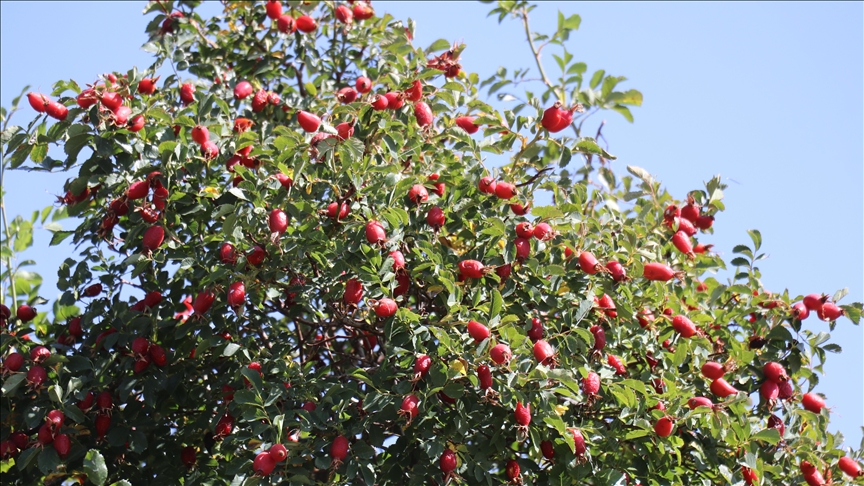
x,y
243,89
713,370
696,402
616,270
435,217
362,10
813,402
423,114
306,24
273,8
682,243
339,448
380,103
477,331
578,443
830,312
236,294
588,263
25,313
308,121
187,94
56,110
38,101
548,449
814,302
523,249
153,238
353,292
467,123
200,134
684,326
471,269
484,376
591,384
36,375
344,14
522,414
543,352
556,118
722,388
487,185
447,462
277,221
505,190
286,24
850,467
599,337
775,372
658,272
385,307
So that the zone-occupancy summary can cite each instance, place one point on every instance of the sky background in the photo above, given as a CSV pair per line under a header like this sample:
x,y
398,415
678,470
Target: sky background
x,y
769,95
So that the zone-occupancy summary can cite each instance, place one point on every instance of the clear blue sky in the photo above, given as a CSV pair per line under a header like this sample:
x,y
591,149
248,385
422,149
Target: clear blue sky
x,y
767,94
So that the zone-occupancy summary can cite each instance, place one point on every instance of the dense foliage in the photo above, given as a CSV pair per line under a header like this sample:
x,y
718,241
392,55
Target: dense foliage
x,y
295,267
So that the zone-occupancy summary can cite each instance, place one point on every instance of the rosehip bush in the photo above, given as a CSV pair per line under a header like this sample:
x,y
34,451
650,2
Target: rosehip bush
x,y
300,265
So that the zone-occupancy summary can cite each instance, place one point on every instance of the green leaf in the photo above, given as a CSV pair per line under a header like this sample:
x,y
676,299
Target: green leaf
x,y
48,460
38,153
27,457
497,304
12,383
756,236
230,349
95,468
547,212
772,436
596,78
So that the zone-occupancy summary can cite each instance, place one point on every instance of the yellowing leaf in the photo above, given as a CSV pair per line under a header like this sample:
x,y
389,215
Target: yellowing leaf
x,y
560,410
458,366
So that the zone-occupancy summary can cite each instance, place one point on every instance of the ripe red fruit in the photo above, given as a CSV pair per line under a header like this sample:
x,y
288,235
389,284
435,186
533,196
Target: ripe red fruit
x,y
786,390
45,435
588,263
56,110
722,388
62,444
227,254
605,302
38,101
157,354
522,414
775,372
599,337
447,462
814,302
556,118
334,211
273,8
422,365
242,90
696,402
86,98
471,269
409,406
690,212
684,326
345,130
188,456
385,307
344,14
663,427
263,464
686,226
104,401
187,93
403,282
363,11
478,331
380,103
353,292
467,123
484,376
309,406
136,123
829,312
306,24
8,449
800,311
548,449
503,271
523,249
153,238
224,426
375,233
616,270
536,331
850,467
148,85
278,452
487,185
398,259
259,101
339,449
278,221
500,354
524,230
363,84
658,272
284,180
423,114
209,150
203,301
236,294
512,470
140,346
138,190
418,194
505,190
13,362
93,290
103,423
704,222
435,218
543,352
200,134
682,243
591,384
520,210
578,442
813,402
286,24
713,370
256,256
346,95
543,232
111,100
769,390
39,354
55,419
308,121
25,313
